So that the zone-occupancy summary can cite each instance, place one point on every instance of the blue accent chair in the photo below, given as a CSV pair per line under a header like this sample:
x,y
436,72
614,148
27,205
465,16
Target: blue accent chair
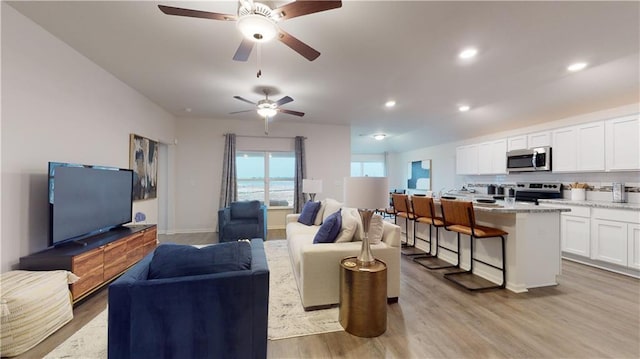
x,y
242,219
221,315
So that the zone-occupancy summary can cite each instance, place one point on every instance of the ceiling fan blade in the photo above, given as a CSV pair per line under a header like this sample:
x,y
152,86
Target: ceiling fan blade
x,y
290,112
170,10
283,100
298,46
233,113
243,99
302,7
244,50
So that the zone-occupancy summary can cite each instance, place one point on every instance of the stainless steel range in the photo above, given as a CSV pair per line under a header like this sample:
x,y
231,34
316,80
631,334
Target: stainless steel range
x,y
533,191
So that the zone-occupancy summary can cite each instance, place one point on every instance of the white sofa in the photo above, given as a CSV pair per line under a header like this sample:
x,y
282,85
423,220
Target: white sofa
x,y
317,266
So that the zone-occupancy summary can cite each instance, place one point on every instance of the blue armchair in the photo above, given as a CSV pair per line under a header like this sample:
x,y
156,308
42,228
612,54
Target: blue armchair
x,y
243,219
221,315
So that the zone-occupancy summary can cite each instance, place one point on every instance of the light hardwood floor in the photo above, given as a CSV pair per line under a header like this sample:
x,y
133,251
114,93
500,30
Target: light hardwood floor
x,y
591,314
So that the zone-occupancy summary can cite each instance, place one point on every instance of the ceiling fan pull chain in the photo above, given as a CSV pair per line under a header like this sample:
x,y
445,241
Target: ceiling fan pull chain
x,y
259,56
266,125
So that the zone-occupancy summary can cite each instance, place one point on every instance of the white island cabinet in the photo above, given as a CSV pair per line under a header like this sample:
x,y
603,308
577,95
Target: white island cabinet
x,y
532,246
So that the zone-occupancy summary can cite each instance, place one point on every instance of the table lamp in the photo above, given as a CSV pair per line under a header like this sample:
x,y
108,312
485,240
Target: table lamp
x,y
366,194
311,187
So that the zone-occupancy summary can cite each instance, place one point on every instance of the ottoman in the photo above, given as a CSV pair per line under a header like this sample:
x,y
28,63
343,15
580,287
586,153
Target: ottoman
x,y
33,306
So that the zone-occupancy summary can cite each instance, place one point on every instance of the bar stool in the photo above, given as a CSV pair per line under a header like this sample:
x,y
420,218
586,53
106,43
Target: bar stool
x,y
403,210
425,212
459,217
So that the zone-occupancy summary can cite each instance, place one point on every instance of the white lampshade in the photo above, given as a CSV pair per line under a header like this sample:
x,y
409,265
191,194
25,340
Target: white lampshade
x,y
366,192
311,186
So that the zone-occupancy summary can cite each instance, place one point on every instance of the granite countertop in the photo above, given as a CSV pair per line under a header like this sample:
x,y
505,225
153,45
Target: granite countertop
x,y
520,207
594,204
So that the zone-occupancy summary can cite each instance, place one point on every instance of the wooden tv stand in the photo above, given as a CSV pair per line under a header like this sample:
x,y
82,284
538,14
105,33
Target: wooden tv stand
x,y
100,260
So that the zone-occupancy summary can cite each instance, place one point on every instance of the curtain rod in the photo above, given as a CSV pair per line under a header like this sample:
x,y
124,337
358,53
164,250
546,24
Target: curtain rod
x,y
276,137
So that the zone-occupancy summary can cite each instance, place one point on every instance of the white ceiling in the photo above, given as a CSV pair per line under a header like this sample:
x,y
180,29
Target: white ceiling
x,y
372,51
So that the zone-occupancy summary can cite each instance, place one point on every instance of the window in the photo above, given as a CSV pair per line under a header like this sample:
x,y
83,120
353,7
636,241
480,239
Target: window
x,y
362,168
266,176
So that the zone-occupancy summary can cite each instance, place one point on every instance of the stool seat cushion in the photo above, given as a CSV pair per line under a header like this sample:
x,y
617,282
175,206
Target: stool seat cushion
x,y
434,221
34,305
479,231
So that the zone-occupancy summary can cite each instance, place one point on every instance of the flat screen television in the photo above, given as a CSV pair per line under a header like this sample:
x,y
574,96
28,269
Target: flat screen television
x,y
85,200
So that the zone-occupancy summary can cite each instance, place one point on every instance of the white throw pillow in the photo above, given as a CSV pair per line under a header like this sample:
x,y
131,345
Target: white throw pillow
x,y
349,225
376,229
319,216
331,206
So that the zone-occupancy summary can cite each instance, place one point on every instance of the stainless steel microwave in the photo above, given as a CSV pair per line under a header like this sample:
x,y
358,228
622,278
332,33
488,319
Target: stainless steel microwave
x,y
529,160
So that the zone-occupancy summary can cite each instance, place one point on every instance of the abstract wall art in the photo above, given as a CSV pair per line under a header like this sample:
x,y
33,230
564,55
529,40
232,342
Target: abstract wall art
x,y
419,175
143,160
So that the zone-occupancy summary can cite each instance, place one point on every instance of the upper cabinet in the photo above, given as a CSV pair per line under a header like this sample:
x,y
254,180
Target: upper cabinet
x,y
622,139
539,139
467,160
579,148
517,143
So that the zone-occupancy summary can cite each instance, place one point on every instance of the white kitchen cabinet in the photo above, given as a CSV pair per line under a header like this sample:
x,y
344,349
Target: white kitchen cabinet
x,y
492,157
590,146
517,143
622,139
564,150
575,234
609,241
579,148
633,245
539,139
467,160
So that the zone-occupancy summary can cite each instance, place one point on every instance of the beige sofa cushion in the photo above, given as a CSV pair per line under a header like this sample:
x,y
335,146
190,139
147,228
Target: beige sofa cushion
x,y
331,206
350,225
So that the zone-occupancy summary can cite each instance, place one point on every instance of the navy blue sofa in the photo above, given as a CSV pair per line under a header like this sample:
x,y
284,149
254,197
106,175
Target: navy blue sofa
x,y
221,315
242,219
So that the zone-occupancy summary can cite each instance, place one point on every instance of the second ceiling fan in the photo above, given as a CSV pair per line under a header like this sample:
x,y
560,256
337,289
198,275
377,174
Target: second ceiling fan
x,y
268,108
259,23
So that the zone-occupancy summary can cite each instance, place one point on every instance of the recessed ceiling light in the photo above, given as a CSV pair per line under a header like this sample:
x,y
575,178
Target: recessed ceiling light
x,y
577,66
187,109
390,103
468,53
464,108
379,136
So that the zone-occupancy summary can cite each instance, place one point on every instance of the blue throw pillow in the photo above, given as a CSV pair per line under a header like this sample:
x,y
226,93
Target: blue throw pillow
x,y
178,260
309,212
329,229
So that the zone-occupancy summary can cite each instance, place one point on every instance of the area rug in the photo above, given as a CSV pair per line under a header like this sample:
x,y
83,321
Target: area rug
x,y
287,318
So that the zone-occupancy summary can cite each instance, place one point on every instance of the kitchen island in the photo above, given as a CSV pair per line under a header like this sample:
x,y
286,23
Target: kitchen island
x,y
532,247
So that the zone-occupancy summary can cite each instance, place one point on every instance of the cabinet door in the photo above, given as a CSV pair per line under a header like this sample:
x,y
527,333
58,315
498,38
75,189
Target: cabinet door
x,y
135,248
150,240
622,140
517,143
539,139
471,159
575,235
633,243
485,157
590,149
89,267
564,150
460,160
499,154
609,241
115,258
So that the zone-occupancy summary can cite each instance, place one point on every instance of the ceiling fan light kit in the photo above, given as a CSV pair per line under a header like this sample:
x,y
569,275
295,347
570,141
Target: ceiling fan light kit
x,y
257,28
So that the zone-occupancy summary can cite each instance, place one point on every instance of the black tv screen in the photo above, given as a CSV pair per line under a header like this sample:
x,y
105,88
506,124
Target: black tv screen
x,y
86,200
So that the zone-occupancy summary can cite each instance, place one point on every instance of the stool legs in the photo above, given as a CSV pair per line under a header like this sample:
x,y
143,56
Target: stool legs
x,y
469,273
433,262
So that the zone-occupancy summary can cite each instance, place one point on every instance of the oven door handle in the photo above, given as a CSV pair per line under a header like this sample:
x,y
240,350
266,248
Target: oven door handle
x,y
534,160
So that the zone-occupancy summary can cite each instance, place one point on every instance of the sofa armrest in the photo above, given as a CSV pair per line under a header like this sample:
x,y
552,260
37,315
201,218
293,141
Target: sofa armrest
x,y
391,234
292,217
224,216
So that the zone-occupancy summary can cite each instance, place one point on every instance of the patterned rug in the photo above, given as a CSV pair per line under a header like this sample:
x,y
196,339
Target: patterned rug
x,y
287,318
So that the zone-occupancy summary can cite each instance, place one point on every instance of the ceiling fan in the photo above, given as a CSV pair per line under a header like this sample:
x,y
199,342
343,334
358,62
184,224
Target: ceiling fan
x,y
259,23
268,108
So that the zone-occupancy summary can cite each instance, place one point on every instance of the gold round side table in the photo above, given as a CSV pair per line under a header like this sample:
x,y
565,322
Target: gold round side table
x,y
363,298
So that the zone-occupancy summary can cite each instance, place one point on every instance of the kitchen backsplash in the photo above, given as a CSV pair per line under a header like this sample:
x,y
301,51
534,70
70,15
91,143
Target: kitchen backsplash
x,y
597,191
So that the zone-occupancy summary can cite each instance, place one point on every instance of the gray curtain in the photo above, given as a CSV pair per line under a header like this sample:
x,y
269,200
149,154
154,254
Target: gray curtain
x,y
301,172
229,187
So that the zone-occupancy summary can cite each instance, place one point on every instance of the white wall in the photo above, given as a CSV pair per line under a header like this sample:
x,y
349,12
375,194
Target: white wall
x,y
444,157
199,157
59,106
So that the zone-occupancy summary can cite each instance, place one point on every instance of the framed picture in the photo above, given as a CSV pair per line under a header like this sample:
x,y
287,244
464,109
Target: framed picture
x,y
419,175
143,160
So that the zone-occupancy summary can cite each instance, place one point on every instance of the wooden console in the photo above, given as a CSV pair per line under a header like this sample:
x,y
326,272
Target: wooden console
x,y
100,260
